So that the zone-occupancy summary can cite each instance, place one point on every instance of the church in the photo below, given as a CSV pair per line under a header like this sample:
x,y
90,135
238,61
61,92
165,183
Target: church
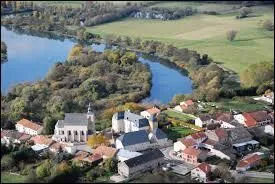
x,y
74,127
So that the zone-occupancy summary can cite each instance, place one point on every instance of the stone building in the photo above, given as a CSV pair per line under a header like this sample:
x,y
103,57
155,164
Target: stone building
x,y
129,122
140,164
74,127
28,127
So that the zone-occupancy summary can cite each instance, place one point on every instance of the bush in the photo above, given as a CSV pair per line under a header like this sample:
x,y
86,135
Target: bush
x,y
268,25
7,162
231,35
244,11
44,169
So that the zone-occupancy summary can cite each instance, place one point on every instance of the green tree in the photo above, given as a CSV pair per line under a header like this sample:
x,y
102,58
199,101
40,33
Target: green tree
x,y
44,169
110,165
128,58
7,162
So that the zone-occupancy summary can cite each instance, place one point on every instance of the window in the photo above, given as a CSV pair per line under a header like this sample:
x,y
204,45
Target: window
x,y
62,132
75,133
82,132
69,132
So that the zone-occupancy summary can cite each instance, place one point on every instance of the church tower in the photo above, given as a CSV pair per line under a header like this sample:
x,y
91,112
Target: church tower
x,y
91,118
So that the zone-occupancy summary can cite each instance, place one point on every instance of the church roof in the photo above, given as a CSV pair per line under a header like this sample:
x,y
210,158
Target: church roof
x,y
132,138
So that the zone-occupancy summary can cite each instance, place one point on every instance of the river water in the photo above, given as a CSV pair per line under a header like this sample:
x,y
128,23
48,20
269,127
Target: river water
x,y
31,57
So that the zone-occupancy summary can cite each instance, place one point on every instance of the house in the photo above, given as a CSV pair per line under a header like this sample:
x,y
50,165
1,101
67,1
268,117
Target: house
x,y
201,172
269,129
187,103
153,112
241,140
57,147
261,117
133,141
74,127
13,137
198,137
218,135
41,143
182,144
93,159
191,155
249,161
203,120
123,155
184,105
253,119
271,116
151,115
105,151
158,136
227,120
140,164
129,122
28,127
192,140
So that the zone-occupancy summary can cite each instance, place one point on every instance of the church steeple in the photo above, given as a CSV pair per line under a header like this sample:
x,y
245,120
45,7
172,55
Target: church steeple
x,y
89,108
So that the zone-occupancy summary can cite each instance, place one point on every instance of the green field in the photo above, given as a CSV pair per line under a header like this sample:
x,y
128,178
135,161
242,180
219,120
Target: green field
x,y
206,34
238,104
174,133
261,180
11,178
178,115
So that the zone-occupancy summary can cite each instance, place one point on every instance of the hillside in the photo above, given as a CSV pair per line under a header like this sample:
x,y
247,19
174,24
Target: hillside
x,y
206,33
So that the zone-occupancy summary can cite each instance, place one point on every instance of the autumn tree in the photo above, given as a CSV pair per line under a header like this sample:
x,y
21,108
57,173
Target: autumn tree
x,y
75,52
97,140
257,74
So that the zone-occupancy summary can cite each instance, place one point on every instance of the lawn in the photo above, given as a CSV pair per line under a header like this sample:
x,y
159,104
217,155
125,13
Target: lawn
x,y
11,178
178,115
206,34
239,104
261,180
174,133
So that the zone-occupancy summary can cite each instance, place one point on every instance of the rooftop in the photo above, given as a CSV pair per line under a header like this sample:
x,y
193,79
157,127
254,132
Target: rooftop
x,y
188,142
204,167
205,117
29,124
146,157
42,139
159,134
132,138
128,154
249,160
191,151
132,117
198,135
153,111
226,117
105,151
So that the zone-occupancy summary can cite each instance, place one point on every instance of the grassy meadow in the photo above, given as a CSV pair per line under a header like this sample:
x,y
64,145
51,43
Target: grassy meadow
x,y
11,178
206,33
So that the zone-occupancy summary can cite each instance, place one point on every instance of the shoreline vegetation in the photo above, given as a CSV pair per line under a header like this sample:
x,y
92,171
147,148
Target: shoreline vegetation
x,y
4,54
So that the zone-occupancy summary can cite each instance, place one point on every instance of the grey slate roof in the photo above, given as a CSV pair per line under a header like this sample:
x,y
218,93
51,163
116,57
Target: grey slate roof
x,y
142,122
132,138
159,133
146,157
73,119
238,135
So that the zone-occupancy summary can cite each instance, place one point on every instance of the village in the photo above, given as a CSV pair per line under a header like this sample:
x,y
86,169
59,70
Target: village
x,y
139,145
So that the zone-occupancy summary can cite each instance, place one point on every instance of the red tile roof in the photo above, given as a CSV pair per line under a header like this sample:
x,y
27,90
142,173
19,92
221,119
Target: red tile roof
x,y
153,111
188,142
92,158
249,120
198,135
105,150
191,151
24,137
80,155
183,107
220,132
4,132
189,102
55,146
226,117
259,115
29,124
249,160
42,139
204,167
210,142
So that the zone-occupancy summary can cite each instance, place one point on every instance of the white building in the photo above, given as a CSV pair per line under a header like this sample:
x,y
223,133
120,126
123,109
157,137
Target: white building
x,y
129,122
151,115
201,172
74,128
28,127
203,120
269,129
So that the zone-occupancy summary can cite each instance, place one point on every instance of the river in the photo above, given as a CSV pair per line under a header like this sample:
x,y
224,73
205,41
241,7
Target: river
x,y
31,57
